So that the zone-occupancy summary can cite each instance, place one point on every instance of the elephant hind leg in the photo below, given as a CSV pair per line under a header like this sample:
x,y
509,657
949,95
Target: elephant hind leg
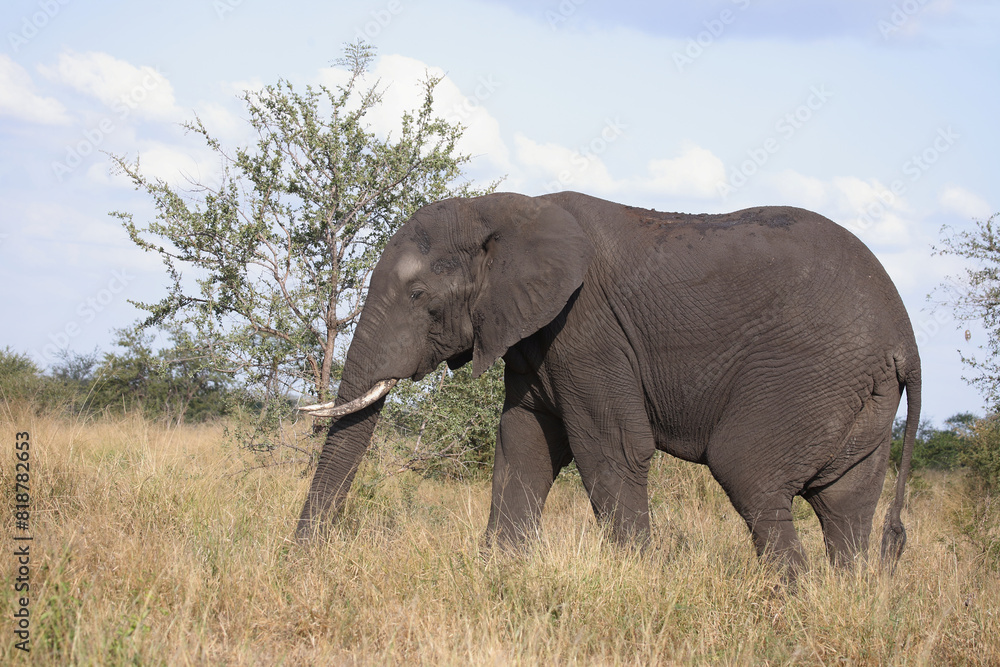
x,y
845,529
846,505
747,457
773,531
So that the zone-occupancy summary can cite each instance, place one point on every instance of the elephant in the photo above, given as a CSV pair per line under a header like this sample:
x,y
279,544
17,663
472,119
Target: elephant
x,y
768,344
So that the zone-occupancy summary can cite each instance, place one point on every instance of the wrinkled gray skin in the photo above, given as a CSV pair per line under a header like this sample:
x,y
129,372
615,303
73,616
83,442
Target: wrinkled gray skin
x,y
768,344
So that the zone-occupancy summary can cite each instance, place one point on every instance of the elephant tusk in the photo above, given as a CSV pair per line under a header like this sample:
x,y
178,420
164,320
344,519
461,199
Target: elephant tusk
x,y
328,410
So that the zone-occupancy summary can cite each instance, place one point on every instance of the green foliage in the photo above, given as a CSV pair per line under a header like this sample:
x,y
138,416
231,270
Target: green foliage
x,y
176,384
933,448
19,376
258,422
451,420
966,442
981,456
64,389
70,382
171,384
270,263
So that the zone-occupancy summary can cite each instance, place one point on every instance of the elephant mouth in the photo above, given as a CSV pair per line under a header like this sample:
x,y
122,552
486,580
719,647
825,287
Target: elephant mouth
x,y
330,410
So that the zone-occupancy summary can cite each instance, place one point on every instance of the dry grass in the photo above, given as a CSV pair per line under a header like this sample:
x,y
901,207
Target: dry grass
x,y
150,550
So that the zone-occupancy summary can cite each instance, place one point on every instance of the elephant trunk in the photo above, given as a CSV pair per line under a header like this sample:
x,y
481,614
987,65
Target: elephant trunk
x,y
346,443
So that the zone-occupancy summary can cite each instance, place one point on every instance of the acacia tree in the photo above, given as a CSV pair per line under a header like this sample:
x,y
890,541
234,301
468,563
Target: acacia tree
x,y
271,263
974,296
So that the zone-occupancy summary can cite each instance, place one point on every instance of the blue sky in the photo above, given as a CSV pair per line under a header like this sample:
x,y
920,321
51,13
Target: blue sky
x,y
878,114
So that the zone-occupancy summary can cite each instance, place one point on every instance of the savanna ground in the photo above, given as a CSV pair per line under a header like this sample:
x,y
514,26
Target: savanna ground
x,y
152,545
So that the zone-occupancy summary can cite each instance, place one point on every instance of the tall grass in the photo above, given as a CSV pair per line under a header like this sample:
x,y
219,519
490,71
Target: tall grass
x,y
153,547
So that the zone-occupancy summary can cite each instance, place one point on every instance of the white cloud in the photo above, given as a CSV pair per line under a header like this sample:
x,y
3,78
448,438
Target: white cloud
x,y
223,123
19,99
57,222
405,92
955,199
562,168
482,131
696,172
794,189
117,83
180,168
95,73
911,270
868,208
55,236
871,210
331,77
908,20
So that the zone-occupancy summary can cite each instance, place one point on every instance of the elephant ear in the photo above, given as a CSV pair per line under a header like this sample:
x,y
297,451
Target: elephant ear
x,y
535,256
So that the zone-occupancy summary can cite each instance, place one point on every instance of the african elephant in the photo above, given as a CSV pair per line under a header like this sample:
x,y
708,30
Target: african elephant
x,y
768,344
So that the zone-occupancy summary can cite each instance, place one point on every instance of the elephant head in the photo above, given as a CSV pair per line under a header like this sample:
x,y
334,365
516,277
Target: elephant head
x,y
463,280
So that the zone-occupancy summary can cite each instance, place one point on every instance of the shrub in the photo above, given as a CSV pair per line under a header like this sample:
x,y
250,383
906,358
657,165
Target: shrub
x,y
451,421
933,448
981,454
19,376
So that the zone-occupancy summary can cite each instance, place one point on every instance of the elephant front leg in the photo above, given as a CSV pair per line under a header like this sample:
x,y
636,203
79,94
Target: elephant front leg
x,y
531,450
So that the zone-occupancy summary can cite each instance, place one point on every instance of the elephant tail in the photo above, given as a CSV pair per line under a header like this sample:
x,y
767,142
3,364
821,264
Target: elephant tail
x,y
893,533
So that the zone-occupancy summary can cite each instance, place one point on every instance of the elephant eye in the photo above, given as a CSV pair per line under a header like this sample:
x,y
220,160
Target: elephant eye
x,y
415,294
